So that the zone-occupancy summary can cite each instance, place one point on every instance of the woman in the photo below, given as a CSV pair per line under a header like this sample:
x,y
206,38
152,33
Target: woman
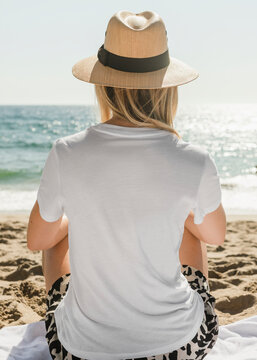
x,y
124,211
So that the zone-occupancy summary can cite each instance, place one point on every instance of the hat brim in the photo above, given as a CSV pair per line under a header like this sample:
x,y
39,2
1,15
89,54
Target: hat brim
x,y
91,70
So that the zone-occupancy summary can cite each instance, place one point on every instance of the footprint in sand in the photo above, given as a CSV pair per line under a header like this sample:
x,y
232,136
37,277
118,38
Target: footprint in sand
x,y
239,255
3,241
236,304
7,236
235,281
36,270
16,262
8,227
214,263
232,265
23,271
221,262
20,274
216,284
214,274
231,231
249,271
232,272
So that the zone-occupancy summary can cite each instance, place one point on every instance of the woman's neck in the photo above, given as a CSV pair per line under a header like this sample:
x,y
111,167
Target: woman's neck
x,y
120,122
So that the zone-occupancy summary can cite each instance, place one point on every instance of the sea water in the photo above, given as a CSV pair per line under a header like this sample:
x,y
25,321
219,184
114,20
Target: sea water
x,y
227,131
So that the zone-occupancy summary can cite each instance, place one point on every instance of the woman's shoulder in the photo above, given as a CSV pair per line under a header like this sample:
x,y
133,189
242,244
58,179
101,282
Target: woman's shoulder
x,y
192,150
71,140
70,146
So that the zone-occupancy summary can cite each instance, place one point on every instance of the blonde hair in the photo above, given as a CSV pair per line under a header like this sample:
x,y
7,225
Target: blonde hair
x,y
154,108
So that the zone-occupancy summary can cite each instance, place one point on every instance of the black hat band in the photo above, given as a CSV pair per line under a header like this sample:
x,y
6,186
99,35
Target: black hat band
x,y
128,64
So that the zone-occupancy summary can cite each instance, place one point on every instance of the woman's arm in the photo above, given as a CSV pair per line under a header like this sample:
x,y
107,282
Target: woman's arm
x,y
213,228
43,235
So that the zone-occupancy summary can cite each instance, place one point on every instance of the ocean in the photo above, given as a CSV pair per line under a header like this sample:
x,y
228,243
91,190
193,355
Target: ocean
x,y
227,131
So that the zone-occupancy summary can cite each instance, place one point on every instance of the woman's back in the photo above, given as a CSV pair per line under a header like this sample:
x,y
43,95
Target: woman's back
x,y
127,192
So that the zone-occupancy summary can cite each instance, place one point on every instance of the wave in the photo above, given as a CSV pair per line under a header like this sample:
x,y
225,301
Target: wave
x,y
24,145
21,174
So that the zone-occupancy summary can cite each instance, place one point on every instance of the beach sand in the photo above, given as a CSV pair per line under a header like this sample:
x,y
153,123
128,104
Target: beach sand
x,y
232,272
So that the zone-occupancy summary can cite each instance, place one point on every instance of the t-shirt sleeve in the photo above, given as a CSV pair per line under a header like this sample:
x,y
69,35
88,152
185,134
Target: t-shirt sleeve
x,y
208,196
49,195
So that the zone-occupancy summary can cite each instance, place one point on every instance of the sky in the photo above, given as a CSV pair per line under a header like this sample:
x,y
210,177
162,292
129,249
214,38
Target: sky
x,y
42,40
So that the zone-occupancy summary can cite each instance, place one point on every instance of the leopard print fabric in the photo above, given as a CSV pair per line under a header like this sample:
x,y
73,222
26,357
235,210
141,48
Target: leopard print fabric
x,y
201,344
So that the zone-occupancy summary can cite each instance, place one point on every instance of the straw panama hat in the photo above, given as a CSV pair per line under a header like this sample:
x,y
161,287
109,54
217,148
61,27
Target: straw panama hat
x,y
134,55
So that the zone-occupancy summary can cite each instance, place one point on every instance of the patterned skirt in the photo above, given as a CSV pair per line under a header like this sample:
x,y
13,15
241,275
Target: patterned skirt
x,y
197,348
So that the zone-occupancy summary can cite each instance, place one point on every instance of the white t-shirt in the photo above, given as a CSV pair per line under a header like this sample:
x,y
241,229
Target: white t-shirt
x,y
127,193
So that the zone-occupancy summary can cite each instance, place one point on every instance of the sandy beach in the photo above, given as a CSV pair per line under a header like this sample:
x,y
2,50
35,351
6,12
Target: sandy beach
x,y
232,272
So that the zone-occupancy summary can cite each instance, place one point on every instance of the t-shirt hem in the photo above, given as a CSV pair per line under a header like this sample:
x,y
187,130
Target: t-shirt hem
x,y
155,351
43,213
198,218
